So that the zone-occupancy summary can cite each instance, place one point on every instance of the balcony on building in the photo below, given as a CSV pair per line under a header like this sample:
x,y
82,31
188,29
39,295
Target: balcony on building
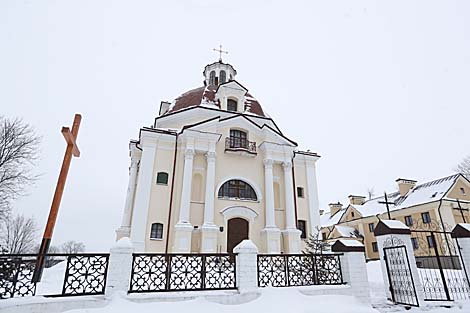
x,y
240,146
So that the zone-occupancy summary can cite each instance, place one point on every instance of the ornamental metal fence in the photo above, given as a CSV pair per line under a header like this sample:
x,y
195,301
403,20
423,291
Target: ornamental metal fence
x,y
153,272
287,270
85,274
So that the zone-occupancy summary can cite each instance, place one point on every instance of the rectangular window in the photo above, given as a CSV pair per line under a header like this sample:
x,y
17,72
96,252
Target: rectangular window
x,y
426,217
462,190
371,227
323,236
162,178
415,243
430,241
156,231
374,247
302,225
300,192
409,220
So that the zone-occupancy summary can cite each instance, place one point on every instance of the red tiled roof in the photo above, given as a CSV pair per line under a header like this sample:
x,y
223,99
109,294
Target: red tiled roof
x,y
206,95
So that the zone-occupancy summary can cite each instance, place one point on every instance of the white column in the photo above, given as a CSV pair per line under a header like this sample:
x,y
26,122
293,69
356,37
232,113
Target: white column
x,y
184,229
124,230
269,194
289,189
209,229
271,234
312,194
210,185
142,196
186,191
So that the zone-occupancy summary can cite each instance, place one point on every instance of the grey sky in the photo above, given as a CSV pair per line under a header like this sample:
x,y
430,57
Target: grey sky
x,y
380,89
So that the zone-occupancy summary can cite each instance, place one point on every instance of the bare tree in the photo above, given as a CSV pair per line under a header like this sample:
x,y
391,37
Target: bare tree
x,y
370,192
315,245
464,167
18,235
18,152
72,247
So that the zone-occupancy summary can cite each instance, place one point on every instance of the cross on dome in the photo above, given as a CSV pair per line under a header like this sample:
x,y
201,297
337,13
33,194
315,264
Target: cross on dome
x,y
220,51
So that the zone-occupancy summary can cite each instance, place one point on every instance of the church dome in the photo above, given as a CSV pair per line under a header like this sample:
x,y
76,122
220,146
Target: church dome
x,y
216,75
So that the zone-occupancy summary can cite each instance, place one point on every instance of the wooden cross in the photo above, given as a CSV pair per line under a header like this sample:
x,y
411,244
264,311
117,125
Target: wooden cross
x,y
71,150
220,51
387,203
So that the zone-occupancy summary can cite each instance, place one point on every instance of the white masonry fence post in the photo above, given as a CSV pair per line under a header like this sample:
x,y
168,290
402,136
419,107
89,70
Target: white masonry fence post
x,y
461,233
246,266
393,233
353,267
119,267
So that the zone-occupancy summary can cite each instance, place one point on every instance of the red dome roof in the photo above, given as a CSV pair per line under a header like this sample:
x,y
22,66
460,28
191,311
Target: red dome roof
x,y
205,96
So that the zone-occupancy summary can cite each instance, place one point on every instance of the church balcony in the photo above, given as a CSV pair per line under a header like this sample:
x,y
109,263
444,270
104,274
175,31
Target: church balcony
x,y
240,146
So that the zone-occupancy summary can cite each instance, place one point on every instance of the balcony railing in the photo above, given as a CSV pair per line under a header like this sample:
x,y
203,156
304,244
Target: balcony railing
x,y
239,144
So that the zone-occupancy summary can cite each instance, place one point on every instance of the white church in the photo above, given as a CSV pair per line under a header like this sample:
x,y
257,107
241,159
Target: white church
x,y
215,169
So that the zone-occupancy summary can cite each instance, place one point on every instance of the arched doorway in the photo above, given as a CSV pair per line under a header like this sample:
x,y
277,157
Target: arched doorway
x,y
237,232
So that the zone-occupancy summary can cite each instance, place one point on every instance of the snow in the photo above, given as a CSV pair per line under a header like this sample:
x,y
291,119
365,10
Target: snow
x,y
351,243
393,224
346,231
276,300
465,225
52,280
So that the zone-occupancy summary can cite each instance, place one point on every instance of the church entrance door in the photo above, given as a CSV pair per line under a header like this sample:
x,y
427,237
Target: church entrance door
x,y
237,232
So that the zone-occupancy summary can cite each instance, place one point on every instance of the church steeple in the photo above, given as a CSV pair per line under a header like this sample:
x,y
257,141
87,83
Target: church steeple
x,y
218,72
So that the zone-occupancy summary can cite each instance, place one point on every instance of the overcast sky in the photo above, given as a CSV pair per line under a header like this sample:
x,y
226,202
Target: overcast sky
x,y
379,89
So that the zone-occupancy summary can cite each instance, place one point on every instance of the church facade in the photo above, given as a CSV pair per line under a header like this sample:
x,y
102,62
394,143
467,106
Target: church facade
x,y
215,169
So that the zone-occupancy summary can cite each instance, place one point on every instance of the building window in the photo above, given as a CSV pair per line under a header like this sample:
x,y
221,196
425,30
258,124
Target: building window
x,y
156,232
352,214
426,217
223,77
430,240
300,192
212,78
302,226
237,189
232,105
323,236
374,247
371,227
162,178
462,190
415,243
408,220
238,139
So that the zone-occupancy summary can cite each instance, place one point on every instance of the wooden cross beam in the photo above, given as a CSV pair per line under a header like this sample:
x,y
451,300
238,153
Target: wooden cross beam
x,y
387,203
71,150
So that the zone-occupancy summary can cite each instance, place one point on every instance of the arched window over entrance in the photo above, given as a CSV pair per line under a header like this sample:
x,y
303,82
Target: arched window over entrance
x,y
237,189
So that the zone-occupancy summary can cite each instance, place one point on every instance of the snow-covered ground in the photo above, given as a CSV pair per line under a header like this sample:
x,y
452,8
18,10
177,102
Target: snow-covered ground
x,y
276,300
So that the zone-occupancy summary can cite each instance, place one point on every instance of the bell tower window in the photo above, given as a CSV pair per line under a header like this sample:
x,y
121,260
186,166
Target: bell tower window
x,y
212,78
223,77
232,105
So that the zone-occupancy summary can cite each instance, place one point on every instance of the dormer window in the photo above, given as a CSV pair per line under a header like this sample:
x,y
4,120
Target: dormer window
x,y
223,77
212,78
232,105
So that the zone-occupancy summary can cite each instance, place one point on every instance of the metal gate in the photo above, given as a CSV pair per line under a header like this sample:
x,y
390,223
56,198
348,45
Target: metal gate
x,y
440,267
400,279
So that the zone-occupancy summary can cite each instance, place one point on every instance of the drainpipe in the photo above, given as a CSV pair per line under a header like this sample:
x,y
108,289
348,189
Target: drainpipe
x,y
295,196
171,195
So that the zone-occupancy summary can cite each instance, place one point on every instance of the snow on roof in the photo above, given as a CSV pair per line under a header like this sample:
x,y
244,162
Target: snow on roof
x,y
351,243
394,224
346,231
465,225
424,193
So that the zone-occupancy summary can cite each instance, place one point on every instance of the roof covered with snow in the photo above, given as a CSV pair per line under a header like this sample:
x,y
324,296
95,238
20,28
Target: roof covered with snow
x,y
205,97
424,193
